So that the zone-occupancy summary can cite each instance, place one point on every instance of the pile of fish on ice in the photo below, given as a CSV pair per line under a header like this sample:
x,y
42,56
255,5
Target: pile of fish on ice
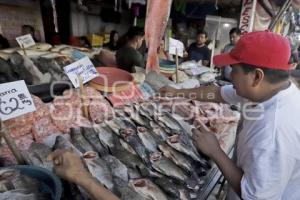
x,y
43,64
139,151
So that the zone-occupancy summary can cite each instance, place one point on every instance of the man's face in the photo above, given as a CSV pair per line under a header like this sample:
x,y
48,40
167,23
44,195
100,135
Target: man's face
x,y
140,41
234,38
116,37
201,39
242,82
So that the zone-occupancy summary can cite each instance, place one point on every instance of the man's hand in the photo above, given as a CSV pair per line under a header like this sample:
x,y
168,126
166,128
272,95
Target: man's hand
x,y
206,142
68,165
167,91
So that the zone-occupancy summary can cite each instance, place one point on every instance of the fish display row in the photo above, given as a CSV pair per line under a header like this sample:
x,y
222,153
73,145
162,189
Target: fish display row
x,y
135,161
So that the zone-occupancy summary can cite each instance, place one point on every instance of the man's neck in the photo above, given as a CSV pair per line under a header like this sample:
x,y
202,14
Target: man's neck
x,y
272,90
132,44
200,45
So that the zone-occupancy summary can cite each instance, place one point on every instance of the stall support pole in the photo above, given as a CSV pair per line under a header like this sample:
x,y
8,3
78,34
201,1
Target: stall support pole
x,y
177,81
285,6
83,97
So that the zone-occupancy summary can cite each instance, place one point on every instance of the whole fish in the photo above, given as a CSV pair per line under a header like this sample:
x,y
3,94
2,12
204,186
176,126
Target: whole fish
x,y
92,137
178,158
147,189
125,192
117,168
132,161
150,108
158,12
99,169
21,194
6,72
115,125
168,186
38,153
158,130
118,123
106,136
79,141
167,167
136,117
183,144
134,141
148,139
126,146
170,122
63,143
11,179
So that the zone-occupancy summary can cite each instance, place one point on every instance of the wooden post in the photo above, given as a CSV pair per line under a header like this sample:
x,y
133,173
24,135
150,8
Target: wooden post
x,y
11,144
83,97
177,81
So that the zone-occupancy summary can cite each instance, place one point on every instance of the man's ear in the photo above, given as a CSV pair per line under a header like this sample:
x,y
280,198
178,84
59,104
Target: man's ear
x,y
258,76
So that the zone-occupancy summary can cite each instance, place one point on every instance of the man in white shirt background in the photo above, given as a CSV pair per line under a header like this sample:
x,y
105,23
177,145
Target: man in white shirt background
x,y
268,146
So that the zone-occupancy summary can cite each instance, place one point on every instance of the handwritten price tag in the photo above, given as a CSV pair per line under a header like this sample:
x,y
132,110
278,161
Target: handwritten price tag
x,y
83,68
15,100
176,45
25,41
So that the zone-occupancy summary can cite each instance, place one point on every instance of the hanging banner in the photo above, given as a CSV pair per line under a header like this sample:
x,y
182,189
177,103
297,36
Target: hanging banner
x,y
247,15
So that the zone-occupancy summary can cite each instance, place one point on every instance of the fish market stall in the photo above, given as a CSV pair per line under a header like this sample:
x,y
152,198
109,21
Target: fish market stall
x,y
140,143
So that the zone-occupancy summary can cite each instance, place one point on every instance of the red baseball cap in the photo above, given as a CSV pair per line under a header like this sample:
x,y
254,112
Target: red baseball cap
x,y
262,48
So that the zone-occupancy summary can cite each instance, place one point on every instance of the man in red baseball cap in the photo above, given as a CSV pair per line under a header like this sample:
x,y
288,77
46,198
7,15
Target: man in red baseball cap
x,y
267,164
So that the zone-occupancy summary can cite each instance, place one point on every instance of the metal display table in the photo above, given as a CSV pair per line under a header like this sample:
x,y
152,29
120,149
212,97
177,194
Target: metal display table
x,y
212,179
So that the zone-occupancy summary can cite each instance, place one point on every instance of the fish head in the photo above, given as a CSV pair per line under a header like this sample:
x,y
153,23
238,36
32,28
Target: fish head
x,y
155,157
173,139
141,129
126,132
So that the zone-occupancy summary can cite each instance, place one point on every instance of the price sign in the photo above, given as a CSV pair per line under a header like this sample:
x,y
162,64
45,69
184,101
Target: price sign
x,y
15,100
25,41
176,44
83,68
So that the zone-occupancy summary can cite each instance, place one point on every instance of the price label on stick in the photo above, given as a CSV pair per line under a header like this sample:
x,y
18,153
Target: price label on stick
x,y
83,68
176,45
15,100
25,41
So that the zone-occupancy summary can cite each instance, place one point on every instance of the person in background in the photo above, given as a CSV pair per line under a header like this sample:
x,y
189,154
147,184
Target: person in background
x,y
162,54
113,41
234,36
28,29
84,42
69,166
198,50
128,56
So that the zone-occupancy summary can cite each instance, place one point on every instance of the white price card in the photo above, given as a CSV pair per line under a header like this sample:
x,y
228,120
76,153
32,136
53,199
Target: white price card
x,y
83,68
176,44
15,100
25,41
